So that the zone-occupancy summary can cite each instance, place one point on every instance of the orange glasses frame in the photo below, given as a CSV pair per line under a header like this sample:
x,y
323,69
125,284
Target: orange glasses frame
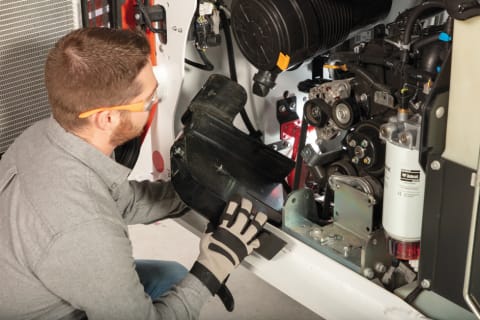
x,y
134,107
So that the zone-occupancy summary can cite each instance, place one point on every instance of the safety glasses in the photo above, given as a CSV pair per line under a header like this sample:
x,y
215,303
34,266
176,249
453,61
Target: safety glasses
x,y
134,107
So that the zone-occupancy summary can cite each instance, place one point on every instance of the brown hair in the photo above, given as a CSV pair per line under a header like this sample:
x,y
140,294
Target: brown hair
x,y
93,67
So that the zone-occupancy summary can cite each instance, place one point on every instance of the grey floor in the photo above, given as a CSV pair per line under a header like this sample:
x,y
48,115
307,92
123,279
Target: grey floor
x,y
254,298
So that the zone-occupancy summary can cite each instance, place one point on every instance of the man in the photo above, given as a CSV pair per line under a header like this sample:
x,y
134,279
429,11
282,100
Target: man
x,y
65,204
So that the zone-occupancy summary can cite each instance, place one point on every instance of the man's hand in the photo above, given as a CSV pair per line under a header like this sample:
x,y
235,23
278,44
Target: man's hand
x,y
224,249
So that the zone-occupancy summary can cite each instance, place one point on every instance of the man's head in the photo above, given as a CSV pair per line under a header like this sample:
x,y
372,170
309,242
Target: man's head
x,y
96,69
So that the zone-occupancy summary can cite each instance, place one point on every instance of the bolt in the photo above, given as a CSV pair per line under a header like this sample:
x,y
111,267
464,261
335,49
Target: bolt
x,y
323,241
425,284
137,16
367,160
363,97
435,165
368,273
342,114
383,131
364,143
374,242
316,234
359,152
355,160
404,138
380,267
282,108
352,143
174,28
440,112
316,111
346,251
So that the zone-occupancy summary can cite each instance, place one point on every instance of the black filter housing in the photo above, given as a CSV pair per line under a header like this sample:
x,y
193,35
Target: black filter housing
x,y
300,29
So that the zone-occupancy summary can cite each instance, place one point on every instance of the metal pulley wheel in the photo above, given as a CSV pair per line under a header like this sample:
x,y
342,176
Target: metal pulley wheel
x,y
343,167
365,149
317,112
344,114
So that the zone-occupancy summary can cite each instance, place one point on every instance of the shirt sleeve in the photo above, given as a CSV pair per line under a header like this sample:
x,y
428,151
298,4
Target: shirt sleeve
x,y
146,201
91,267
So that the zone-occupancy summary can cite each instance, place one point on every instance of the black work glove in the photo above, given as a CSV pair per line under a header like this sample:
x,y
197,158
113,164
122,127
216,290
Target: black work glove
x,y
224,249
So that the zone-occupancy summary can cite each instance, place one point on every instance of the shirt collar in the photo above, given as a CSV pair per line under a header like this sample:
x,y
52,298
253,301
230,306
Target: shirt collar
x,y
111,172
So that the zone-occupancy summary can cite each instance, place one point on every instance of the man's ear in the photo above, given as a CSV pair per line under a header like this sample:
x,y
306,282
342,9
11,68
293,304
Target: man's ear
x,y
106,120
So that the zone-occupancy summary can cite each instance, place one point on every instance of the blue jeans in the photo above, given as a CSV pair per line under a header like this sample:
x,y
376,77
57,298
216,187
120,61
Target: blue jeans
x,y
158,276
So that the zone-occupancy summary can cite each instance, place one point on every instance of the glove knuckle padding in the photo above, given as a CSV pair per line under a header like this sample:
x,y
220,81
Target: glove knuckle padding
x,y
256,225
241,222
231,241
229,214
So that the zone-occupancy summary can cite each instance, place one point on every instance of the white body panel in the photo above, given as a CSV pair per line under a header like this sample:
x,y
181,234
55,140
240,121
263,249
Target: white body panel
x,y
169,72
463,131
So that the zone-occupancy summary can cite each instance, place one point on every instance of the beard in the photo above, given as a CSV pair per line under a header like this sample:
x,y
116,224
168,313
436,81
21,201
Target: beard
x,y
125,131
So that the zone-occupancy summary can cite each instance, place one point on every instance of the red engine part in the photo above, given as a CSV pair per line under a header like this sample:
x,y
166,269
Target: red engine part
x,y
403,250
291,130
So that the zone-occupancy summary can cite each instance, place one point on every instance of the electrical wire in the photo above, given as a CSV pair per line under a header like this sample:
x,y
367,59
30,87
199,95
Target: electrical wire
x,y
148,22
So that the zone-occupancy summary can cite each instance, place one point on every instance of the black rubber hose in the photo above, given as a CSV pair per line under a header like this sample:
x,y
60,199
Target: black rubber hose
x,y
448,29
449,26
228,39
414,15
301,145
417,45
207,66
233,71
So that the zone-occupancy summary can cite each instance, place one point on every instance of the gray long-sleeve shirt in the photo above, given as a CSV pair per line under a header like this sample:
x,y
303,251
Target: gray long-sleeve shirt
x,y
64,246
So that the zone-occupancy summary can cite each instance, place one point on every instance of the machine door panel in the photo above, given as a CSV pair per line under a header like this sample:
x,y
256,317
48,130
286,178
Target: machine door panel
x,y
472,278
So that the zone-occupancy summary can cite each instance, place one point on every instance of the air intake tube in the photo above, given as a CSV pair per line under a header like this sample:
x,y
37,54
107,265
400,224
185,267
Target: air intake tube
x,y
274,35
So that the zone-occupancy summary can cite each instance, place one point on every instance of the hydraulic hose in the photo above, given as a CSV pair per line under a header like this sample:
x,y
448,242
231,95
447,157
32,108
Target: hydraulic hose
x,y
207,65
413,17
233,70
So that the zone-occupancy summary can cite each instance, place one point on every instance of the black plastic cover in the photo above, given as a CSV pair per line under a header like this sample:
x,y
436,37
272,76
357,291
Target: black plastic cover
x,y
212,161
300,29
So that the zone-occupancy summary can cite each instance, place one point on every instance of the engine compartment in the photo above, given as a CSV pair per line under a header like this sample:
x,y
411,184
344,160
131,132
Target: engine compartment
x,y
372,96
362,179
